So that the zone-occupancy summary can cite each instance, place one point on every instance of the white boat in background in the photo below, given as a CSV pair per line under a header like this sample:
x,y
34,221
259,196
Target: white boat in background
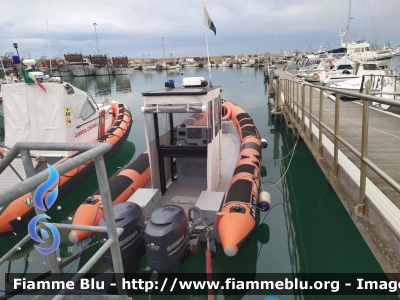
x,y
101,65
121,65
345,70
79,65
63,67
192,65
172,66
48,66
246,64
317,74
149,67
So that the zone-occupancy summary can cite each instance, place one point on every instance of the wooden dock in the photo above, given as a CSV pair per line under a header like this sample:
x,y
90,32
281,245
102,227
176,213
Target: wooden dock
x,y
374,209
383,136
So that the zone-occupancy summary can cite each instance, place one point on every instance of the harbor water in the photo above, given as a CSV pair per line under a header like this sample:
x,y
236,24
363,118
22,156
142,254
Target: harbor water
x,y
307,229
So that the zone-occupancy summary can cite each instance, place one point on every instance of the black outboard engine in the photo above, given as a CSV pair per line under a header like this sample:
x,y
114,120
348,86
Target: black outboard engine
x,y
129,216
166,239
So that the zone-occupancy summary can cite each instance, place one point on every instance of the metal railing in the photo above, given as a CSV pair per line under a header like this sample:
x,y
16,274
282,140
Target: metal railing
x,y
92,152
294,90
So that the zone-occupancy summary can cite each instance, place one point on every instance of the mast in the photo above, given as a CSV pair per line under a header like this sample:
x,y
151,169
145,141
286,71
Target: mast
x,y
48,41
348,26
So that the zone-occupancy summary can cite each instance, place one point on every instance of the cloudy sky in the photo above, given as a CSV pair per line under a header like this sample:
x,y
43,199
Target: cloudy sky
x,y
136,28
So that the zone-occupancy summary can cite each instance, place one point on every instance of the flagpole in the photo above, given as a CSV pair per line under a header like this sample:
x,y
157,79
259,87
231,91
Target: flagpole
x,y
48,41
208,55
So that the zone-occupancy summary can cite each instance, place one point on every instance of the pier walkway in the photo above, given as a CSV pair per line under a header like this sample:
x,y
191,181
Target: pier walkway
x,y
373,201
383,135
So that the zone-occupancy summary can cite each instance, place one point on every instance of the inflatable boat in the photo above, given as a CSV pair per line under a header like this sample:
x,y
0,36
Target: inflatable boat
x,y
60,113
205,159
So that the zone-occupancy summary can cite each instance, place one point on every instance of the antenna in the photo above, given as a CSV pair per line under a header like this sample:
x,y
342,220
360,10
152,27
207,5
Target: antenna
x,y
166,73
348,26
48,41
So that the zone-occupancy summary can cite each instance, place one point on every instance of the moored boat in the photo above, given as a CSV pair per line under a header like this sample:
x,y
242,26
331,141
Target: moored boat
x,y
101,65
62,114
121,65
204,159
79,65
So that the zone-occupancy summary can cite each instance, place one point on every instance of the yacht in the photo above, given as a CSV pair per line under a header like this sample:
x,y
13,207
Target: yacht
x,y
351,69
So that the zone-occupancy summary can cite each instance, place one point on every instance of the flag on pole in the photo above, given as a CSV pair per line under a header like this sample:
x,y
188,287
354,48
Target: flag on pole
x,y
29,78
208,22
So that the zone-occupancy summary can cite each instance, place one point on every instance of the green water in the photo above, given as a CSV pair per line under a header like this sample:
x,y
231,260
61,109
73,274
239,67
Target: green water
x,y
306,231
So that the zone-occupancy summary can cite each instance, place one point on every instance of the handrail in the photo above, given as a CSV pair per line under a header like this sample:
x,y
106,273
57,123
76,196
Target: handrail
x,y
295,100
92,150
89,152
351,94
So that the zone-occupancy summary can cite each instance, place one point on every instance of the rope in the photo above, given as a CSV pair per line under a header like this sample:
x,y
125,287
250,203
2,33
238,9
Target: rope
x,y
294,147
290,161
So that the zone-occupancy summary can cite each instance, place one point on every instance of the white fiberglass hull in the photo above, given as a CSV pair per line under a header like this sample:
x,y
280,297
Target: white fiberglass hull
x,y
101,71
122,70
82,70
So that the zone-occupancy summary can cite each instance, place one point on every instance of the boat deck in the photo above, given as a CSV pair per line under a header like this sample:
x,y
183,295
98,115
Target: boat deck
x,y
13,174
187,194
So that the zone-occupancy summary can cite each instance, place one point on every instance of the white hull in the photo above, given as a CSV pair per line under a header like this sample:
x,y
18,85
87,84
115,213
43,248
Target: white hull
x,y
192,65
339,78
122,70
173,67
101,71
151,67
66,73
82,70
55,73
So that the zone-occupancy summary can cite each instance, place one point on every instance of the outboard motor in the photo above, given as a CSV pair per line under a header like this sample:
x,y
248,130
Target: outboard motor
x,y
129,216
166,239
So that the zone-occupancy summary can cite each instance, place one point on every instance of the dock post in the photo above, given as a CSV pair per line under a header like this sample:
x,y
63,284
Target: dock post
x,y
303,103
309,115
278,95
277,111
321,116
336,140
364,148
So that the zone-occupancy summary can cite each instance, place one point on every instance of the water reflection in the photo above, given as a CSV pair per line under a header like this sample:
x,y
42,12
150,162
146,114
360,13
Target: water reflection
x,y
123,83
103,85
85,83
148,75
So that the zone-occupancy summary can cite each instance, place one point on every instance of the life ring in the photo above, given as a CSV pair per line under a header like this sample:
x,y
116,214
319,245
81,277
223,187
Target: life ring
x,y
386,72
227,111
315,76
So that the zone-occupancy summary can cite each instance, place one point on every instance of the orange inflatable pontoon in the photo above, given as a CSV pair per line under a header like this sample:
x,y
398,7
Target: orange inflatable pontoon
x,y
15,217
236,222
134,176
